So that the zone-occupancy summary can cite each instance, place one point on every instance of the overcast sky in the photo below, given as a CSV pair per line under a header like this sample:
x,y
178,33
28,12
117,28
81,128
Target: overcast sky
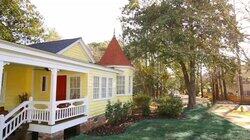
x,y
93,20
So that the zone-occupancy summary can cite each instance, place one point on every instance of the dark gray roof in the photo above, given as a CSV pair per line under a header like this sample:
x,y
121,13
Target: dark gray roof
x,y
54,46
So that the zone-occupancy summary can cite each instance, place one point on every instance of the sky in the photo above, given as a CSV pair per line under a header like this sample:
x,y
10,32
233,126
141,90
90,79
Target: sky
x,y
93,20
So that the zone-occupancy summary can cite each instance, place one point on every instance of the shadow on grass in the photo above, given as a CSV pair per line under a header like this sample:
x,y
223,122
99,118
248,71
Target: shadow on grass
x,y
200,124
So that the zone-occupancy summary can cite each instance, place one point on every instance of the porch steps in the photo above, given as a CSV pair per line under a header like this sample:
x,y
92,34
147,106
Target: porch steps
x,y
21,133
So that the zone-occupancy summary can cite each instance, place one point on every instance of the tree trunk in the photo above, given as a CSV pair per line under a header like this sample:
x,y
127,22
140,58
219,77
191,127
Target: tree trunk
x,y
189,82
220,84
201,82
224,85
213,87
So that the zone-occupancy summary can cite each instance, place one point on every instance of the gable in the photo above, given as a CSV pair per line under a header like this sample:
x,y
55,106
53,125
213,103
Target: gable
x,y
77,51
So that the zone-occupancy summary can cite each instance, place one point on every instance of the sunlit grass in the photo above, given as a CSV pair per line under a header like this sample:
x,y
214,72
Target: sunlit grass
x,y
199,124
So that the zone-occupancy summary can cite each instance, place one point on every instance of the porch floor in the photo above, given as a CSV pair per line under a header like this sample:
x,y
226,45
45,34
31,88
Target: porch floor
x,y
58,126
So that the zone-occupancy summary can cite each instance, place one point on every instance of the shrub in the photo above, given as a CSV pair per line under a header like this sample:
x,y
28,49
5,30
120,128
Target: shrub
x,y
170,106
117,112
142,102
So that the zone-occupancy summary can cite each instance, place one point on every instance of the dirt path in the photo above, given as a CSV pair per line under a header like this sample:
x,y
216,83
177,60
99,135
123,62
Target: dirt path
x,y
229,112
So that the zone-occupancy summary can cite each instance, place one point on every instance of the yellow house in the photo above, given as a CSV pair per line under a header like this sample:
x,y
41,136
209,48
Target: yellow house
x,y
57,85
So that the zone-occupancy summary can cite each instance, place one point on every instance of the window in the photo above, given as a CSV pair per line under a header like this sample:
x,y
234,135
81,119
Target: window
x,y
44,83
75,88
120,84
104,87
96,88
110,86
129,84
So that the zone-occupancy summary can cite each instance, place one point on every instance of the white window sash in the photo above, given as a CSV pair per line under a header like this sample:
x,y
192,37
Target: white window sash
x,y
74,87
96,87
104,87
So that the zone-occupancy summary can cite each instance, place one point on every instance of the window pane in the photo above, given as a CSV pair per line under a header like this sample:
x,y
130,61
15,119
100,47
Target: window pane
x,y
104,85
96,88
43,83
110,86
75,87
121,85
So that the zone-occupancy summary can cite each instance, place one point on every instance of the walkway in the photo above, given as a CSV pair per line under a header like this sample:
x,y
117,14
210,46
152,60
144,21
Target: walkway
x,y
232,113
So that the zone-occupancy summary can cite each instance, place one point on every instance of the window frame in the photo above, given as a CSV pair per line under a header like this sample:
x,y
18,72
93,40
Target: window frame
x,y
104,87
97,87
100,86
121,85
110,88
69,86
46,83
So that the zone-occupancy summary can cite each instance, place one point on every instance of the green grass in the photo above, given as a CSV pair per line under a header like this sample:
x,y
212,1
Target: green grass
x,y
199,124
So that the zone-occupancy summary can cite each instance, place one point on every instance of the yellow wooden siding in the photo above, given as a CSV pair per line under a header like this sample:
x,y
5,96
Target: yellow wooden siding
x,y
38,94
98,106
18,79
44,96
126,98
77,52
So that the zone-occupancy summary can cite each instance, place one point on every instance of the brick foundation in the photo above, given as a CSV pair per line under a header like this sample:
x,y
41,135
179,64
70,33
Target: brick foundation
x,y
91,123
55,136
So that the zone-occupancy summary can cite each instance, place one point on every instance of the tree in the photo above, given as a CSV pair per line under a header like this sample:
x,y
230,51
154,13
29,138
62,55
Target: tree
x,y
98,49
20,22
52,35
185,32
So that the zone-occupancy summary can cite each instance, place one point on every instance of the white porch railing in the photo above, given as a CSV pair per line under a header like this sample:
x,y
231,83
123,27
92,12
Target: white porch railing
x,y
70,108
14,119
39,111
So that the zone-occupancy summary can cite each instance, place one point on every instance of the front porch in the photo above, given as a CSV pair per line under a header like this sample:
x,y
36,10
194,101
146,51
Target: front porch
x,y
57,98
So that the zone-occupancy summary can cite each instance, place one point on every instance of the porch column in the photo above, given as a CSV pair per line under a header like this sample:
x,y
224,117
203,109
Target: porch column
x,y
53,83
2,63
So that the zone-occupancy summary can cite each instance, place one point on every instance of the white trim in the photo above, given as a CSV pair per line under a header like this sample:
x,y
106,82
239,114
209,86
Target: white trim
x,y
117,95
120,66
3,90
33,83
83,46
102,99
15,53
57,127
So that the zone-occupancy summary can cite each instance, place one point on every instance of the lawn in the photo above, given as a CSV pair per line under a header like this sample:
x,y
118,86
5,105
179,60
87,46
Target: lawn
x,y
199,124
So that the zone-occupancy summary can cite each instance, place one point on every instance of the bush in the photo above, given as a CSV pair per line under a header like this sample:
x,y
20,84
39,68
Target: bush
x,y
142,102
170,106
117,112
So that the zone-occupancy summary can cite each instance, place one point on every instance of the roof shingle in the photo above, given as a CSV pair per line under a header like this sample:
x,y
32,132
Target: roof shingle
x,y
54,46
114,55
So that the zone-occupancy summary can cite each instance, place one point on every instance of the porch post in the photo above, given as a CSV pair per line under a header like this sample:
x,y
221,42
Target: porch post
x,y
2,63
53,84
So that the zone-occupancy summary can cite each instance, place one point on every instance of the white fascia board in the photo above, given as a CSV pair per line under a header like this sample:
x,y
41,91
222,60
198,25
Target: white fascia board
x,y
121,67
12,50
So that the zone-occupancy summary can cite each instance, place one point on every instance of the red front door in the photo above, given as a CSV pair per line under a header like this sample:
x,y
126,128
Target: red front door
x,y
61,87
